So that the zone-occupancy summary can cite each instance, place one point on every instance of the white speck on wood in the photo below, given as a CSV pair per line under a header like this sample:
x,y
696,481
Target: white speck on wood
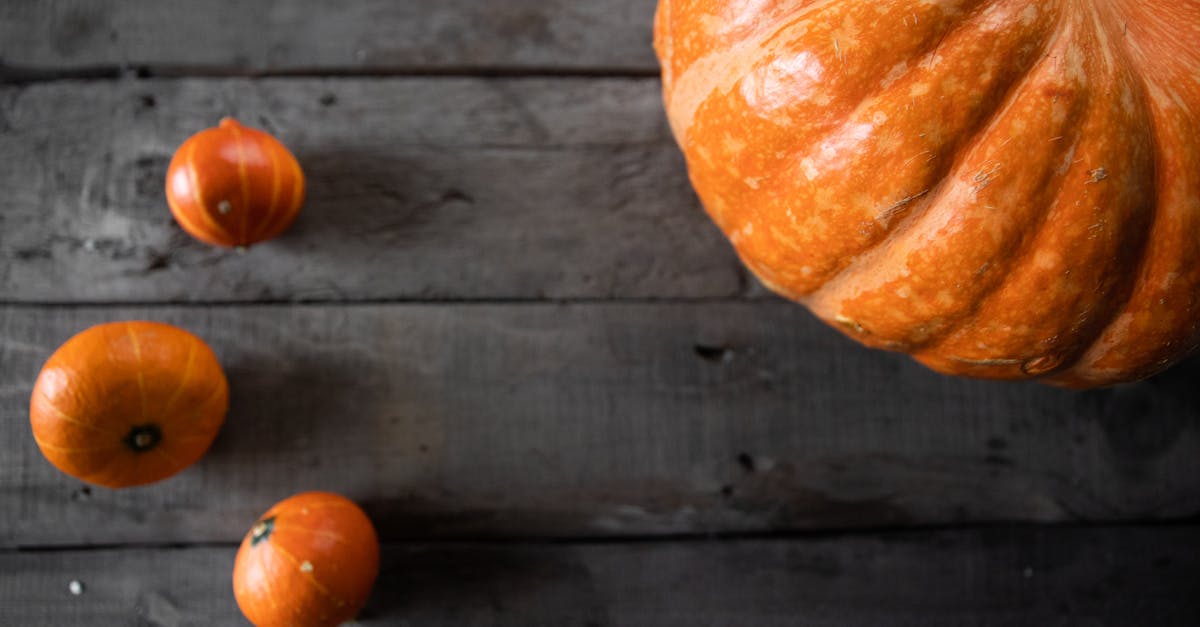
x,y
224,207
306,567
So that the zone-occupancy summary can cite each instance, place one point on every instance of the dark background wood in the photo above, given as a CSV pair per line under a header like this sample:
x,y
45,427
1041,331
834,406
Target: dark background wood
x,y
963,578
504,324
310,36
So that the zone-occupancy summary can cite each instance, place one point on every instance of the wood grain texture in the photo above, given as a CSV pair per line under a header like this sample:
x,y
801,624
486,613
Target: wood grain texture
x,y
539,420
176,36
417,188
965,578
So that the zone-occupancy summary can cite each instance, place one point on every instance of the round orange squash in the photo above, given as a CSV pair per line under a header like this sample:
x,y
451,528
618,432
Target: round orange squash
x,y
234,186
128,403
310,561
1001,188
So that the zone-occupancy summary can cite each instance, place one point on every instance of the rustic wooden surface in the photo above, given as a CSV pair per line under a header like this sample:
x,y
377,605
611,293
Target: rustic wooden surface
x,y
311,36
523,189
965,578
504,324
602,419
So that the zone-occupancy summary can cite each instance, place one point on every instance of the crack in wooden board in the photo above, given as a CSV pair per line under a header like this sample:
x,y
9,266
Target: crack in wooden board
x,y
983,578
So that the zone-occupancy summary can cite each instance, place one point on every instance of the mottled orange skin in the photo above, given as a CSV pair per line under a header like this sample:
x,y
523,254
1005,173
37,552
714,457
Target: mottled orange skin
x,y
108,384
1002,188
234,186
310,561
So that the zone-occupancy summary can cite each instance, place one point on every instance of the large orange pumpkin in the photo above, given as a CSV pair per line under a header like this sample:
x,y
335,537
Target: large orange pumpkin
x,y
310,561
1002,188
128,403
234,186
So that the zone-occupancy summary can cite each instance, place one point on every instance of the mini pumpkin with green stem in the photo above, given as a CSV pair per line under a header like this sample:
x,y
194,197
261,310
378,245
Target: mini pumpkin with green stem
x,y
310,561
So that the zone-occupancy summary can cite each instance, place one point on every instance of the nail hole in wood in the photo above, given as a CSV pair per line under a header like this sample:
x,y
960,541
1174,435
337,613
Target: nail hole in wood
x,y
157,262
713,354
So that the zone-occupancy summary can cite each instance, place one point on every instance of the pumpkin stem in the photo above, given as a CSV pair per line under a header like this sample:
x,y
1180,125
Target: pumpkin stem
x,y
142,438
261,530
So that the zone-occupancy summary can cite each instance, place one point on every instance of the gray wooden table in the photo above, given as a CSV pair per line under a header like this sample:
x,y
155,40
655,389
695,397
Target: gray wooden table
x,y
505,326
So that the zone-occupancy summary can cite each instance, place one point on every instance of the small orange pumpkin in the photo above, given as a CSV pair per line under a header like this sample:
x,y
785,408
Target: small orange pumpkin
x,y
310,561
128,403
234,186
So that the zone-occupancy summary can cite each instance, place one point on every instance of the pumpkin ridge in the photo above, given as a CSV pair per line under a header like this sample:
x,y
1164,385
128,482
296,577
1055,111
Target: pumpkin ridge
x,y
904,207
187,370
141,379
980,131
1121,306
201,208
269,216
185,220
956,324
243,182
307,574
906,204
1120,300
65,417
728,75
1079,337
266,581
213,394
979,134
70,449
1025,247
274,223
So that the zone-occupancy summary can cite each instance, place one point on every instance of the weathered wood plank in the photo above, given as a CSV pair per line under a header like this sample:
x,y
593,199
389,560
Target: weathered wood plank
x,y
972,578
418,188
179,36
532,420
